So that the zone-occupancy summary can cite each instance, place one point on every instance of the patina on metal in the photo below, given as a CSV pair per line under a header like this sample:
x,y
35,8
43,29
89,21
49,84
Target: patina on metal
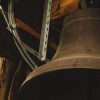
x,y
74,72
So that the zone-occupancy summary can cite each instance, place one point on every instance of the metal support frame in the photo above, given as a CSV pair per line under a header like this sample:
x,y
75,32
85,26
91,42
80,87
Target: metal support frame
x,y
28,48
24,48
45,30
2,12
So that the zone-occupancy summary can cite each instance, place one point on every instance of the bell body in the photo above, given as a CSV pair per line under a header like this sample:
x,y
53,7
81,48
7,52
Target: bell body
x,y
74,72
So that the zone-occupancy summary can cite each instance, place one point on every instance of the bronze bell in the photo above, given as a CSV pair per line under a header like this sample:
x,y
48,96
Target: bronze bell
x,y
74,72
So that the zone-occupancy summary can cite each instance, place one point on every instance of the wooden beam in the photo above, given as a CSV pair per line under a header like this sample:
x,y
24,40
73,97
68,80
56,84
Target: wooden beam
x,y
33,32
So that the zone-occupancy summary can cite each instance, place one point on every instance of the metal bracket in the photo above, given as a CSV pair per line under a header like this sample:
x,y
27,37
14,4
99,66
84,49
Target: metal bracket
x,y
45,30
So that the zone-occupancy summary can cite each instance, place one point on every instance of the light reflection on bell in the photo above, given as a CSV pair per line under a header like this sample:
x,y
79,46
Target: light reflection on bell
x,y
74,72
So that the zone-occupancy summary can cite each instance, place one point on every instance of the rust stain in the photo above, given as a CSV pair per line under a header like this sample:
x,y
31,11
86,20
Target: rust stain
x,y
33,32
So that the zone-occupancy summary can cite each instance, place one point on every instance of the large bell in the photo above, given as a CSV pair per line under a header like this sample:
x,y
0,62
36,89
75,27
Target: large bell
x,y
74,72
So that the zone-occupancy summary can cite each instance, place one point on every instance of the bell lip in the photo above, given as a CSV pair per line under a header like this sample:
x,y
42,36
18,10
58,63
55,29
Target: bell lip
x,y
58,73
89,62
55,72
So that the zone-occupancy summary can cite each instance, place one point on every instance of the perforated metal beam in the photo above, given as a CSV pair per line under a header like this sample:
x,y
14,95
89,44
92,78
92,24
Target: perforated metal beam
x,y
45,30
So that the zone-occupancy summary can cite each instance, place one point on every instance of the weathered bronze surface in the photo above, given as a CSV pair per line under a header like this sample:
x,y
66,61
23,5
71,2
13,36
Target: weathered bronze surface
x,y
75,67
